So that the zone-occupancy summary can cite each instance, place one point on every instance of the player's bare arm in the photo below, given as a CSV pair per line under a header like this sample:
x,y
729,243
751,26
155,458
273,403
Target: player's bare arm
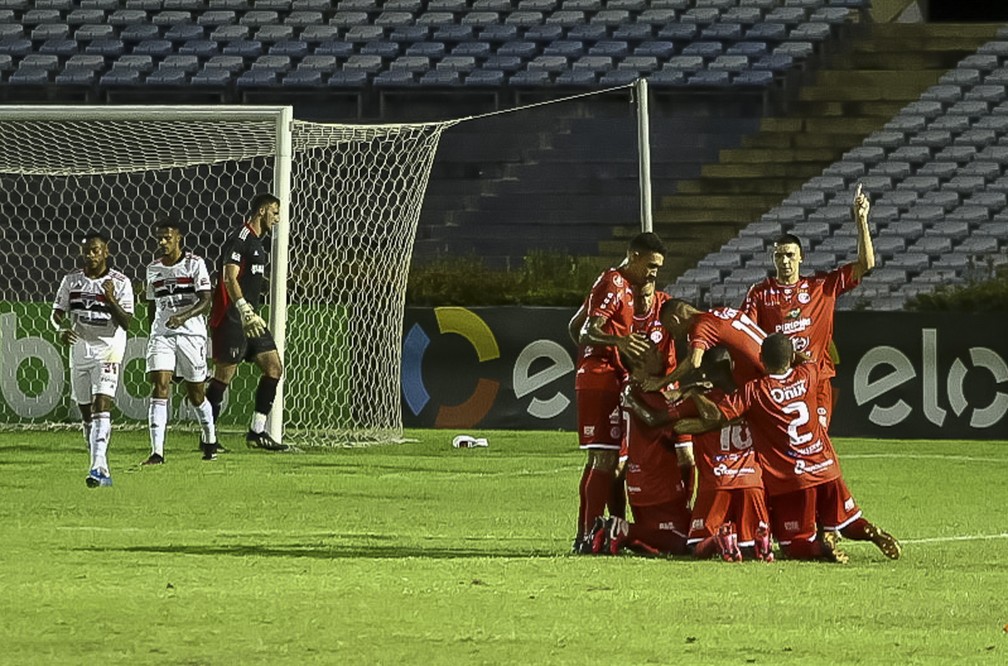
x,y
694,426
687,365
706,407
634,345
577,323
200,307
66,334
120,316
866,251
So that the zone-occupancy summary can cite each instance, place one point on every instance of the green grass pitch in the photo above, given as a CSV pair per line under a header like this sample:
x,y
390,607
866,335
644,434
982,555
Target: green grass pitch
x,y
420,553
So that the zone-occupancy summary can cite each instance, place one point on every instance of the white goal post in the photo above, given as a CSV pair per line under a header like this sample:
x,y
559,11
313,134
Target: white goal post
x,y
350,201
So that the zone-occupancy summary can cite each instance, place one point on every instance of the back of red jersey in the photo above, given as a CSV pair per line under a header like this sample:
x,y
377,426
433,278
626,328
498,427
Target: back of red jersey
x,y
652,468
802,311
792,445
612,298
737,333
725,458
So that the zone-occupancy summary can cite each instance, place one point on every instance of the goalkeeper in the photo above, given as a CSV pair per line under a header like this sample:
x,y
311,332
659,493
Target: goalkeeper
x,y
238,332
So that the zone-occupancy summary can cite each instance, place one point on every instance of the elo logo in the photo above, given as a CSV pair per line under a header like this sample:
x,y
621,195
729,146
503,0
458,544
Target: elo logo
x,y
471,327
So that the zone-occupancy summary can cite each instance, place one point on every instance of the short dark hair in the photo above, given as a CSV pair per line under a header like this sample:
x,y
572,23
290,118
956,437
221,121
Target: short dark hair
x,y
789,239
94,233
647,241
777,351
671,305
262,199
170,222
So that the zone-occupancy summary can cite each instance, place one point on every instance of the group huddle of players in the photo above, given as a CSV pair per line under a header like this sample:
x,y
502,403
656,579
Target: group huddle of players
x,y
726,449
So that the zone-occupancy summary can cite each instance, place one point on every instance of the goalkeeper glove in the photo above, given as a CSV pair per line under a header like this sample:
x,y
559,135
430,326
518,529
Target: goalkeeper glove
x,y
252,324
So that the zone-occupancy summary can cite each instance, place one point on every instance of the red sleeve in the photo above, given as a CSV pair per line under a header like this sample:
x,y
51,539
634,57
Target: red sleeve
x,y
606,295
737,403
684,409
840,280
749,304
705,333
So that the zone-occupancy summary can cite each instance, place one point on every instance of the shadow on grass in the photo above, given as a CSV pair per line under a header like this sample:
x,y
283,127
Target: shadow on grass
x,y
334,551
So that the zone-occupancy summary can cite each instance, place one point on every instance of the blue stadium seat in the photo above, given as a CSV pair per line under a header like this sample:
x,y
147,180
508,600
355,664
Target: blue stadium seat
x,y
76,76
752,79
29,76
520,49
292,48
166,19
524,19
414,34
412,64
530,79
393,19
364,33
321,63
302,78
257,78
700,15
412,6
678,32
124,17
314,34
348,79
395,78
454,34
484,78
139,32
256,18
35,16
610,17
447,5
272,63
454,63
436,19
575,79
640,64
427,49
588,33
246,48
184,32
657,17
548,63
186,63
633,32
142,63
730,63
216,17
796,50
684,63
120,77
152,47
370,64
60,47
503,63
620,77
230,33
302,19
752,50
104,47
167,77
473,49
382,49
656,49
611,48
543,33
708,50
88,33
480,19
82,16
50,31
745,15
498,34
767,32
227,63
944,200
564,47
810,32
274,33
440,78
729,32
667,78
204,48
566,18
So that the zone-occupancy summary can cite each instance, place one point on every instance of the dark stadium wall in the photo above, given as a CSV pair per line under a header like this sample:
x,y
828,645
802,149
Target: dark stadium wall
x,y
965,11
901,375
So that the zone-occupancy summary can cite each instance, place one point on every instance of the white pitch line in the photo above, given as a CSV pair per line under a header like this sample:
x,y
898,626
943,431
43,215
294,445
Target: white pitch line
x,y
974,537
919,456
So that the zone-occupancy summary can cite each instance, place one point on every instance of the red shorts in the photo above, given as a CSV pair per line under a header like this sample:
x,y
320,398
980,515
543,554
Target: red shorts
x,y
600,425
746,507
829,505
662,527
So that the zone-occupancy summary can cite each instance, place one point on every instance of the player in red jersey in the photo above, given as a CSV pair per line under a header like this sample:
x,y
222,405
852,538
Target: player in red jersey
x,y
809,501
606,334
802,307
730,513
659,463
721,326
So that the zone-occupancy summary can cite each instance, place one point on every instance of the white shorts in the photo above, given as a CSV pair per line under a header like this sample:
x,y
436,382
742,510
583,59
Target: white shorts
x,y
183,355
92,373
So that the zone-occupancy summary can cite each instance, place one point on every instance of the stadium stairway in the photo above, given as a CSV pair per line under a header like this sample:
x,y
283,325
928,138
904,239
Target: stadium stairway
x,y
852,93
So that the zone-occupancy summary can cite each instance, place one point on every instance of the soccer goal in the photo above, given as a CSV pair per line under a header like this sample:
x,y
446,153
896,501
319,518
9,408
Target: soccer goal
x,y
351,198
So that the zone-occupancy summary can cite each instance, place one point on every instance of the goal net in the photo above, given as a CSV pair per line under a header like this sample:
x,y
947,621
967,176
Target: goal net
x,y
352,197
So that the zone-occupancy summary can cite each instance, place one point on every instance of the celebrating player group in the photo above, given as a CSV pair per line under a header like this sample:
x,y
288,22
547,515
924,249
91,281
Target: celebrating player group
x,y
94,308
726,450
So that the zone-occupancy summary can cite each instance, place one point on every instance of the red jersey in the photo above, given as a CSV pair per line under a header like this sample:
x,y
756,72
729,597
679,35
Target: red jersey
x,y
611,297
737,333
725,458
662,359
802,311
792,445
652,468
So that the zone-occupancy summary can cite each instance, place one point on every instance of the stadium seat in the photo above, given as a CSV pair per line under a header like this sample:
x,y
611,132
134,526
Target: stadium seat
x,y
370,64
530,79
314,34
184,32
543,33
230,33
361,34
596,64
228,63
580,78
611,48
639,64
271,33
656,49
204,48
440,78
257,78
931,245
498,34
472,49
291,48
484,78
620,77
211,78
564,48
335,48
411,34
942,199
588,33
683,33
750,49
455,63
685,63
976,244
380,48
83,16
412,64
633,32
548,63
348,79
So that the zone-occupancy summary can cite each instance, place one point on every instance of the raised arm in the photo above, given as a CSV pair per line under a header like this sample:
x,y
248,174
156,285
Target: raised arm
x,y
577,323
633,345
865,249
684,367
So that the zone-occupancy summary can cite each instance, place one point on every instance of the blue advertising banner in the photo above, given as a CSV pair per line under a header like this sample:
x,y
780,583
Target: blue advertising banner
x,y
901,375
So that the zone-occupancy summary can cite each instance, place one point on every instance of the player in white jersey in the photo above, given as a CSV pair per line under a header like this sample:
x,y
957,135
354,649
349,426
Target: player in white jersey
x,y
178,295
92,311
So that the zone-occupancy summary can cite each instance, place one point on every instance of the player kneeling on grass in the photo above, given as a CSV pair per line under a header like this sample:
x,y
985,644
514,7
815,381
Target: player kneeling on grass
x,y
729,515
810,506
178,295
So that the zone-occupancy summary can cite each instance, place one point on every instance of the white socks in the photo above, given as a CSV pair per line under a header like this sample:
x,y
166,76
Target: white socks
x,y
258,422
101,430
204,412
157,420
